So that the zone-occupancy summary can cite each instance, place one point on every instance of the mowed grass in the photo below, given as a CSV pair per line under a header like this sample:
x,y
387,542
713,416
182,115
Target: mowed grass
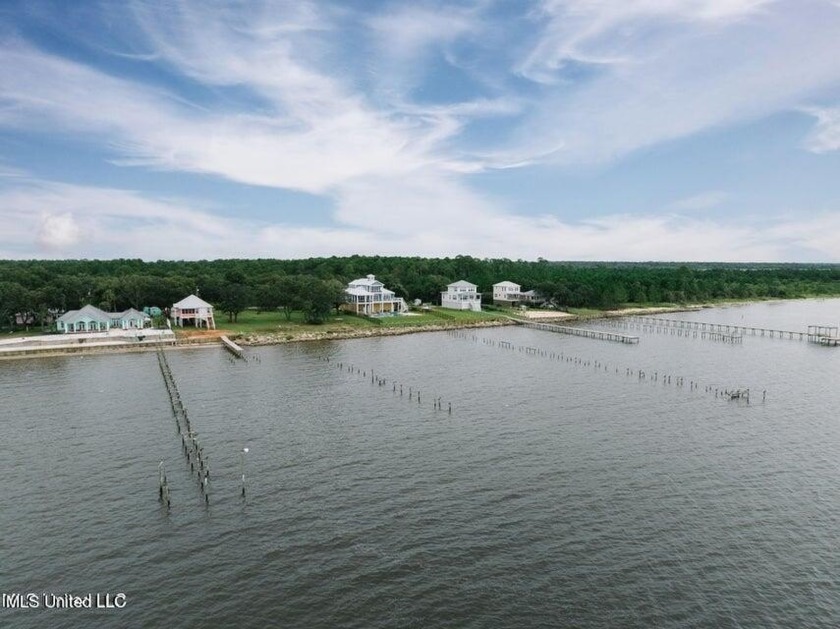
x,y
254,322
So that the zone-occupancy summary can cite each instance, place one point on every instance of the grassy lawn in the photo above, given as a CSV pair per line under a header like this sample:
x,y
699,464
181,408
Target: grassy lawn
x,y
253,322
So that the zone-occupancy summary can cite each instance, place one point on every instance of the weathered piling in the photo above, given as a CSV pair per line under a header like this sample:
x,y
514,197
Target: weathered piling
x,y
163,489
242,454
382,382
193,452
642,375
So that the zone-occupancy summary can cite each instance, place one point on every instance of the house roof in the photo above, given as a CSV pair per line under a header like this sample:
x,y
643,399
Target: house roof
x,y
366,281
192,302
506,283
361,290
87,312
131,313
461,284
90,312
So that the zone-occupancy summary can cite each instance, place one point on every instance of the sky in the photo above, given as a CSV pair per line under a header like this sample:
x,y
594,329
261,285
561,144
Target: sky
x,y
637,130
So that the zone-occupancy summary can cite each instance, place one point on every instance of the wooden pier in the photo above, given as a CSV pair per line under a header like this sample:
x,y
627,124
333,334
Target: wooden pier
x,y
824,335
233,348
584,332
718,328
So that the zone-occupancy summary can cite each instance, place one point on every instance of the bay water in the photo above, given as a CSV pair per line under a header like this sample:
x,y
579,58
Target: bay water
x,y
574,483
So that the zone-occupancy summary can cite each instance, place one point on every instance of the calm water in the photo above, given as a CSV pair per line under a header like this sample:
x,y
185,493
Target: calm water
x,y
562,491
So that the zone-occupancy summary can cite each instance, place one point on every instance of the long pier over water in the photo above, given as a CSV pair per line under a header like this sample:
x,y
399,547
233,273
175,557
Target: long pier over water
x,y
824,335
722,328
590,334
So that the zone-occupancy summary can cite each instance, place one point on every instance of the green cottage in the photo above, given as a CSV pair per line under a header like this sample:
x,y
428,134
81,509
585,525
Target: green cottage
x,y
92,319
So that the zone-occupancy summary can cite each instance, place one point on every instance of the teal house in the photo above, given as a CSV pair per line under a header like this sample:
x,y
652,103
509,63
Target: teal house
x,y
92,319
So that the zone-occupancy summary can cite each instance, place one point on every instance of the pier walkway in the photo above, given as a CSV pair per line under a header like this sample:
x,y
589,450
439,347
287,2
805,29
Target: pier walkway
x,y
573,331
719,328
233,348
728,332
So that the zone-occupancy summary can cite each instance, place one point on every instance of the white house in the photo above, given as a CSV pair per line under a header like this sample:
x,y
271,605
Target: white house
x,y
368,296
506,293
193,310
92,319
531,297
461,295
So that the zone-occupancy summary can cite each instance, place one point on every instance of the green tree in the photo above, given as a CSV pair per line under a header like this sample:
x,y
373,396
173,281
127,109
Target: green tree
x,y
234,295
13,300
337,296
291,293
318,300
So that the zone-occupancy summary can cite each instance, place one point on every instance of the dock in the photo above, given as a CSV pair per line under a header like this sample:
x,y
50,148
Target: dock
x,y
824,335
233,348
584,332
717,328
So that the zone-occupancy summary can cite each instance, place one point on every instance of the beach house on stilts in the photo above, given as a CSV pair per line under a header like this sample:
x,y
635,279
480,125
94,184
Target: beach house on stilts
x,y
193,310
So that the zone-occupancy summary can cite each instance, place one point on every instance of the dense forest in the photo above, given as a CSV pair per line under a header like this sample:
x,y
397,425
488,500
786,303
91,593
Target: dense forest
x,y
38,289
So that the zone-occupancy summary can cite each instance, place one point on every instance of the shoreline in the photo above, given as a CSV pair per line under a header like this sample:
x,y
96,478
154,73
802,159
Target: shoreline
x,y
279,338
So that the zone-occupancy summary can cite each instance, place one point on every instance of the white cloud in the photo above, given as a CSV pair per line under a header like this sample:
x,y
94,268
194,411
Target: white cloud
x,y
825,136
819,236
81,221
611,31
11,172
663,70
58,231
406,38
285,104
702,201
151,128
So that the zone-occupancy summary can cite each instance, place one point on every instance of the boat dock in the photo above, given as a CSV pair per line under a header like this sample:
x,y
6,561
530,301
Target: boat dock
x,y
233,348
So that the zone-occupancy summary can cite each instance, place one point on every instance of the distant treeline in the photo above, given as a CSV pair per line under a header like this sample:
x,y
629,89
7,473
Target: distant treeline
x,y
39,287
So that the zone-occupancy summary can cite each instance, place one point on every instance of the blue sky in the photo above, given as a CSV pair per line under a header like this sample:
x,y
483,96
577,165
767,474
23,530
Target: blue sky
x,y
558,129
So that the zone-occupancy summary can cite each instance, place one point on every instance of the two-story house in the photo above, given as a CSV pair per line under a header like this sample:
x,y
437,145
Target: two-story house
x,y
368,296
461,295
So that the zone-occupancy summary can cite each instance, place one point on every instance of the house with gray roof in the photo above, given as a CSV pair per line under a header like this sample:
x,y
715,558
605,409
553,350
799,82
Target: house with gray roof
x,y
91,319
368,296
193,310
506,293
461,295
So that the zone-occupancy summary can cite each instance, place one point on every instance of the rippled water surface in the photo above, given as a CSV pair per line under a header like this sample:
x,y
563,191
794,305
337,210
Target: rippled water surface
x,y
563,490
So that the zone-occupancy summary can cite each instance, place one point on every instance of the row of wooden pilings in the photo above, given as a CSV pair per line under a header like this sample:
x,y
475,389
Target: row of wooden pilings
x,y
641,375
410,393
192,450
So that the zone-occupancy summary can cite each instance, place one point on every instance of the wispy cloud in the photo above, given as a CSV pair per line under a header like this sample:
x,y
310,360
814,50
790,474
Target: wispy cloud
x,y
825,136
346,104
61,220
664,70
702,201
616,31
